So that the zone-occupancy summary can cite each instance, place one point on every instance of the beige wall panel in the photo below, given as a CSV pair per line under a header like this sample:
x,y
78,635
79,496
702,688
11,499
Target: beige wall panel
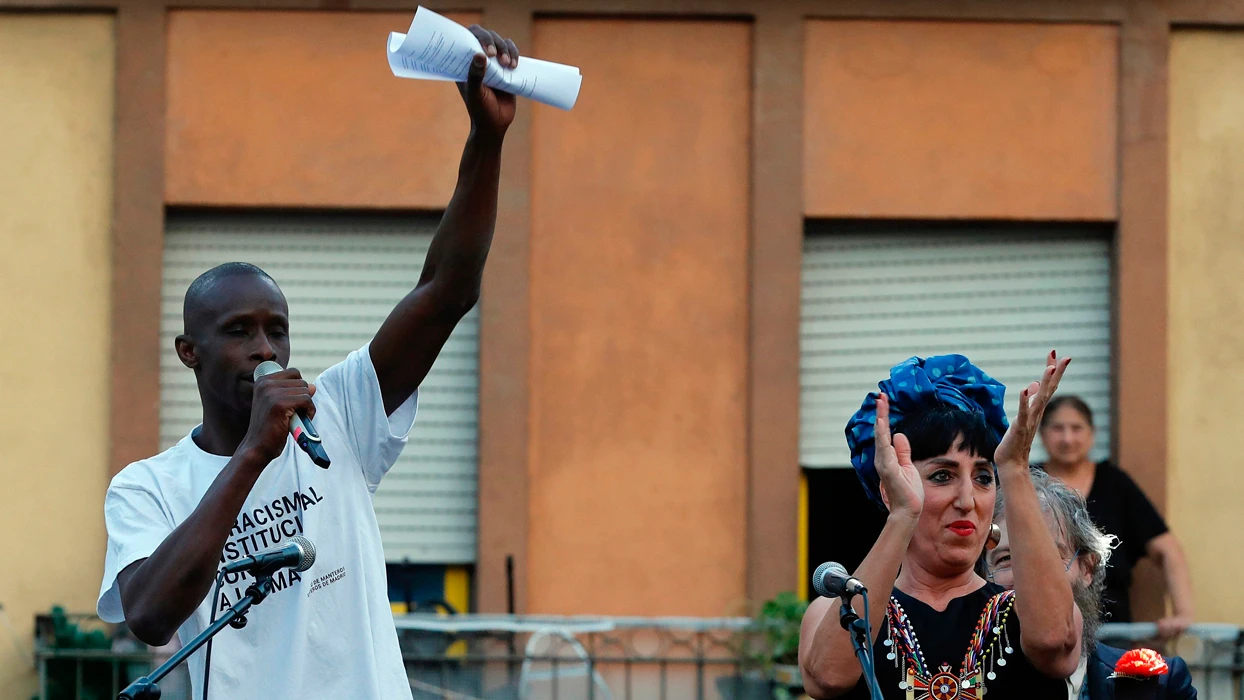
x,y
639,321
56,119
1205,484
300,109
986,120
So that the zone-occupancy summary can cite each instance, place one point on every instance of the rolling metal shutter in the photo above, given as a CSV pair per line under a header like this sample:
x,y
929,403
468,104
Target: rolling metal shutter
x,y
342,276
1003,297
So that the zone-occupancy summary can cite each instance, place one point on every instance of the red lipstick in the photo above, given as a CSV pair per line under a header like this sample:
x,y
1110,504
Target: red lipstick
x,y
962,528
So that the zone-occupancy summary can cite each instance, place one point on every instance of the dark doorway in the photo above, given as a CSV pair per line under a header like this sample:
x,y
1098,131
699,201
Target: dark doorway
x,y
842,523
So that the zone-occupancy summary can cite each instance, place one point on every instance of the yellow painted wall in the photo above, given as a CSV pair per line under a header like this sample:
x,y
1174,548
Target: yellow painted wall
x,y
56,119
1206,477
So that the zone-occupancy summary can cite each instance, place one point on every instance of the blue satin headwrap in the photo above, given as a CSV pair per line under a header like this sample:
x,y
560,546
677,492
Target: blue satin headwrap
x,y
945,380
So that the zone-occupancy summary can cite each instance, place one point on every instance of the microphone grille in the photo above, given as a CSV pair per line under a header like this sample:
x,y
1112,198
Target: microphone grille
x,y
818,578
267,367
307,549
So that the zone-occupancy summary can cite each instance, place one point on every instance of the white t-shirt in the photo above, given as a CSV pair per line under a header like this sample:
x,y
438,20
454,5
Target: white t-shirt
x,y
327,632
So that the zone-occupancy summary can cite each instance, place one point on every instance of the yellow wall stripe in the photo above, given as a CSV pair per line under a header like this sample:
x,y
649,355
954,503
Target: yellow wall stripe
x,y
801,586
458,594
458,588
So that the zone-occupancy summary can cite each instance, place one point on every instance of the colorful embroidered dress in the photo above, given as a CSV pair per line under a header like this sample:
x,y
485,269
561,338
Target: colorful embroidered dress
x,y
970,651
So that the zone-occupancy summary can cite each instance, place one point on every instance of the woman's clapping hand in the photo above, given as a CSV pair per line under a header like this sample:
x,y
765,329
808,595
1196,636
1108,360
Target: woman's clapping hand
x,y
901,487
1016,445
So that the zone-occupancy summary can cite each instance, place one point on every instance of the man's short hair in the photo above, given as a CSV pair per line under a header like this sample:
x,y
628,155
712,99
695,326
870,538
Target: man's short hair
x,y
199,288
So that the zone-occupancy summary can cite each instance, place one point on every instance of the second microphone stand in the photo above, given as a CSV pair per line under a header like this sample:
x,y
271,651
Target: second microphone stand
x,y
145,688
861,640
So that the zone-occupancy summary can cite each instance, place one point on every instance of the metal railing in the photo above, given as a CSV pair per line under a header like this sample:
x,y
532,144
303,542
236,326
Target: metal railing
x,y
101,674
79,657
1214,653
490,657
499,657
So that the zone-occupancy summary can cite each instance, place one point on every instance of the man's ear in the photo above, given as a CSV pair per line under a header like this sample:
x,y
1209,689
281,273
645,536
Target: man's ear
x,y
186,351
1088,563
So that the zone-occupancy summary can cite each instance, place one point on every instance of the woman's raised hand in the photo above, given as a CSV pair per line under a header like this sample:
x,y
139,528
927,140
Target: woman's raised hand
x,y
901,487
1017,443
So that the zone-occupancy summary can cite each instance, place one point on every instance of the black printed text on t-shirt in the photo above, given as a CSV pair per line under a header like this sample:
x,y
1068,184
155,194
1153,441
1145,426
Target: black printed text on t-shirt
x,y
262,528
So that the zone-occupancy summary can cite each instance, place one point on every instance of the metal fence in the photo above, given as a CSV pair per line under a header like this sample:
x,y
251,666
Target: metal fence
x,y
489,657
101,674
485,657
79,657
504,658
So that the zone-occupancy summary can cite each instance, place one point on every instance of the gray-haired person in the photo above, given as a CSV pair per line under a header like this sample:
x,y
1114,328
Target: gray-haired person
x,y
1086,551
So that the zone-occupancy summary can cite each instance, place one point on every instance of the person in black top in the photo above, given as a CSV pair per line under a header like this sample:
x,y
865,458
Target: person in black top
x,y
940,630
1117,506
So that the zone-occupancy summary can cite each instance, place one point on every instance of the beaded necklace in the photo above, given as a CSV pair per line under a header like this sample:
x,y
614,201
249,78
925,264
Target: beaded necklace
x,y
915,677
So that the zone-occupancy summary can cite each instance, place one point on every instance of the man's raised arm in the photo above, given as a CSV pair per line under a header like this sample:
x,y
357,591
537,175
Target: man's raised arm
x,y
414,333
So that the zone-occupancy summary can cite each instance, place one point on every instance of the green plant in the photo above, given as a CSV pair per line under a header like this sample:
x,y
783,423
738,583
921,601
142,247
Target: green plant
x,y
775,643
778,623
66,634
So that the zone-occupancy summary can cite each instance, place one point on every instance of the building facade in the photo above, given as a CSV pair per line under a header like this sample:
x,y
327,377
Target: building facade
x,y
752,208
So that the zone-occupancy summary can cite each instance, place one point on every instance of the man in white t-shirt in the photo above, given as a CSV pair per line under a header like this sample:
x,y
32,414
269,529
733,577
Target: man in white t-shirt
x,y
238,484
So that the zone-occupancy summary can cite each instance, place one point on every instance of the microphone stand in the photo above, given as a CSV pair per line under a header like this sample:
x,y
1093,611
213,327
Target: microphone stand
x,y
145,688
861,641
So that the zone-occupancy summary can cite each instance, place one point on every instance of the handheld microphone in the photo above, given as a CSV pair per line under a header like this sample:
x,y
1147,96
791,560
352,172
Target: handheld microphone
x,y
831,580
299,425
297,552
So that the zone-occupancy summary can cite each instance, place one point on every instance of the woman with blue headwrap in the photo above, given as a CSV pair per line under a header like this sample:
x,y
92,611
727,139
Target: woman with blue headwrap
x,y
930,448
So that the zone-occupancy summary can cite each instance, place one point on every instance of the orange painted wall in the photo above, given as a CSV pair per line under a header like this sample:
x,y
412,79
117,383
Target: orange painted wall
x,y
960,120
300,109
639,321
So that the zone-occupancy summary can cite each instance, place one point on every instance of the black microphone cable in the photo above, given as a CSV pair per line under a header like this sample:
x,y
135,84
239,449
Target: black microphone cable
x,y
207,660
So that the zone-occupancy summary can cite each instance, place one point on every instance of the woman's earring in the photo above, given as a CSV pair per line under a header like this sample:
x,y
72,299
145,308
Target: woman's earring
x,y
995,536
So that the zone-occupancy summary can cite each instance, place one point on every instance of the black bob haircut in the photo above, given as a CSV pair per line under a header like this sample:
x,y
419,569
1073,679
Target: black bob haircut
x,y
936,430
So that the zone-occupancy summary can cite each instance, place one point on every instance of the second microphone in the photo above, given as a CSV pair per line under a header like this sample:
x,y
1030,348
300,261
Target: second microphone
x,y
831,580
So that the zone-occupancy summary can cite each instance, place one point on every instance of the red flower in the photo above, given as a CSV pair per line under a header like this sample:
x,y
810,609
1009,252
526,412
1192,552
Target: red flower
x,y
1140,663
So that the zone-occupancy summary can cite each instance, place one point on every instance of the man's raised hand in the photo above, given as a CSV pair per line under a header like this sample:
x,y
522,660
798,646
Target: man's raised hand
x,y
492,111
